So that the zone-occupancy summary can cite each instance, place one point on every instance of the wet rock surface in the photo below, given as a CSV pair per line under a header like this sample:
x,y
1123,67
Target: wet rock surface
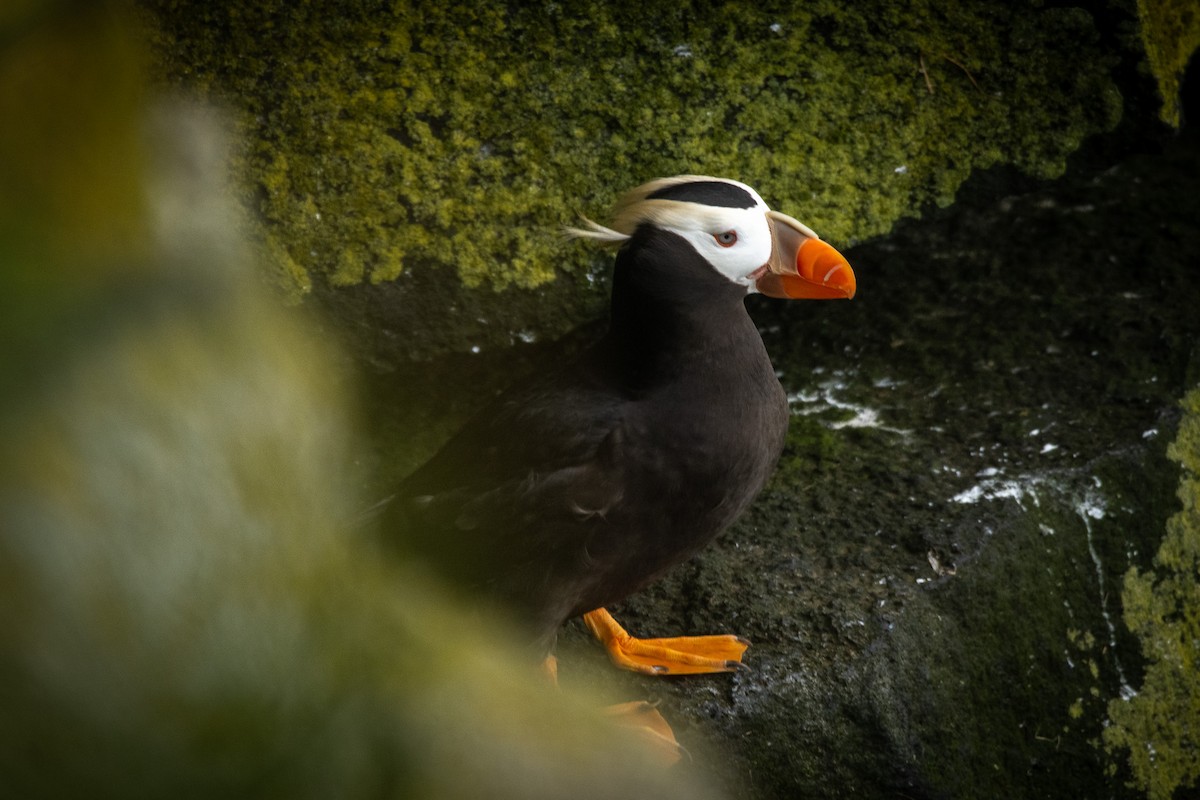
x,y
932,579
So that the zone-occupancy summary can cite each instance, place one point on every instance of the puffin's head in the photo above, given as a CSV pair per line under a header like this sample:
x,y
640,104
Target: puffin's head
x,y
731,227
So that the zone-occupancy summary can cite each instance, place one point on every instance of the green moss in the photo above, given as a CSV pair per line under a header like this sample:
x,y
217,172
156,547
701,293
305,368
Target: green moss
x,y
809,444
1170,33
464,136
1162,608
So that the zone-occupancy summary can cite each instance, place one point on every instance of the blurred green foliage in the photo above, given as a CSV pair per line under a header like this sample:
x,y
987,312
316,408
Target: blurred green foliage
x,y
188,604
386,134
71,204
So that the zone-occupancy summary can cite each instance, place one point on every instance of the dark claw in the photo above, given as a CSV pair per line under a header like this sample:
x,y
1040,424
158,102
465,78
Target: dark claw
x,y
659,669
738,666
743,640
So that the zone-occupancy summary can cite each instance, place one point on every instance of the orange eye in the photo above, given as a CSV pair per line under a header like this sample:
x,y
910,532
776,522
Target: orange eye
x,y
726,239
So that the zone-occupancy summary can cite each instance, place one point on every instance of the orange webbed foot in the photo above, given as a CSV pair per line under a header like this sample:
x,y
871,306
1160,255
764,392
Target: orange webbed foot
x,y
681,655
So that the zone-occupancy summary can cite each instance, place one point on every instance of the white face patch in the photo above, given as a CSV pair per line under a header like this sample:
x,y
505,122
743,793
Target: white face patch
x,y
706,229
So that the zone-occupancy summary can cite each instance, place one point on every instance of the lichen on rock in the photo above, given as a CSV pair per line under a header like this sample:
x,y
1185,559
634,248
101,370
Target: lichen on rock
x,y
1170,31
1160,726
388,135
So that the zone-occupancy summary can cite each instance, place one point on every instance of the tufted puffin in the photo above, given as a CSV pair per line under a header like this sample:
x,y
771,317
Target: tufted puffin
x,y
585,483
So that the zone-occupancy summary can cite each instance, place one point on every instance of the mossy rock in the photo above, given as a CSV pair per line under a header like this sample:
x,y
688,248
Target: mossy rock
x,y
1157,725
1170,32
389,139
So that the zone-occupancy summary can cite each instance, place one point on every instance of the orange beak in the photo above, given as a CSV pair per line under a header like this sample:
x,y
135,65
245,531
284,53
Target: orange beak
x,y
802,266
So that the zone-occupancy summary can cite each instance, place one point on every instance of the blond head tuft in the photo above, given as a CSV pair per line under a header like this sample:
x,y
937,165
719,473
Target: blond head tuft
x,y
634,208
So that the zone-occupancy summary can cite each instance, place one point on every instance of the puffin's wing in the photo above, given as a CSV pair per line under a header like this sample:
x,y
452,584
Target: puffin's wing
x,y
515,530
540,429
524,473
593,487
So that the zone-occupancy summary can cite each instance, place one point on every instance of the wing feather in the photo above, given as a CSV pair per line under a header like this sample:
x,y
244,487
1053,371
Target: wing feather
x,y
522,484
